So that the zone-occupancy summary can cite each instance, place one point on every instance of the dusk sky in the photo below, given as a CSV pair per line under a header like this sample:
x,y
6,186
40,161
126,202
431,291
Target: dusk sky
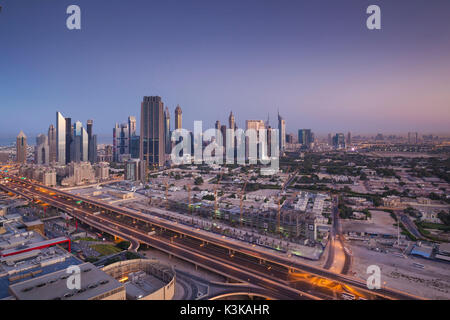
x,y
314,60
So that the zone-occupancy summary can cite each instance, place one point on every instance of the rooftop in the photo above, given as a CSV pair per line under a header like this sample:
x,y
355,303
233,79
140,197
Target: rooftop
x,y
53,286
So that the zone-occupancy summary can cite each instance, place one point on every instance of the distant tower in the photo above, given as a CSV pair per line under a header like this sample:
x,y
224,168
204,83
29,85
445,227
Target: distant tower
x,y
223,130
231,122
167,140
413,137
41,152
281,132
339,141
131,131
60,139
21,148
121,141
92,142
131,126
178,118
52,143
349,138
69,140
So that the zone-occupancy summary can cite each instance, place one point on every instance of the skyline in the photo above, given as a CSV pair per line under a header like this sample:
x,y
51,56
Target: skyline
x,y
213,58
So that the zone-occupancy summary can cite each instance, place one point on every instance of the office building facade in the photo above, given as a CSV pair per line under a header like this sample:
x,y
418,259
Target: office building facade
x,y
152,147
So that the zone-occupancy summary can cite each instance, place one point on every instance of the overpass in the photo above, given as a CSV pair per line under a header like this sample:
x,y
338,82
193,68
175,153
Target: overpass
x,y
249,262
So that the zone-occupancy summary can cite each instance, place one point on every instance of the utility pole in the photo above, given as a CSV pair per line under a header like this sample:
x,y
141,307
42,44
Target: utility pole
x,y
279,199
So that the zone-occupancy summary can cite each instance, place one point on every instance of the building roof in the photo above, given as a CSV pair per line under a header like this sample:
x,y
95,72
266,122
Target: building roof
x,y
94,282
444,248
21,134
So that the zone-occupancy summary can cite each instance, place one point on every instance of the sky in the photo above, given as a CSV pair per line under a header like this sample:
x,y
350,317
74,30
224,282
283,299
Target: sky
x,y
315,61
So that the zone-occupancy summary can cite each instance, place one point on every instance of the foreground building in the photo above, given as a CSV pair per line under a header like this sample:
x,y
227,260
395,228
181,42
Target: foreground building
x,y
95,285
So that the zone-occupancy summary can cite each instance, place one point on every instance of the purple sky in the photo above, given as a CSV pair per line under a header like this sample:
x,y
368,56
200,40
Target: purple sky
x,y
314,60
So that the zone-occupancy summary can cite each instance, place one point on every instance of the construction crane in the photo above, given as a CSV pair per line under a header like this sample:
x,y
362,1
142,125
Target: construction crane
x,y
167,194
189,201
242,201
279,201
215,193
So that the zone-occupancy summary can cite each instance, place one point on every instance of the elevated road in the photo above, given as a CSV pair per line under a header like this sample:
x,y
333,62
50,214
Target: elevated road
x,y
185,240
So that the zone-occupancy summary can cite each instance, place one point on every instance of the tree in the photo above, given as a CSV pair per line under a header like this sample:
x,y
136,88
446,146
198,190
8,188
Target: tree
x,y
444,217
198,181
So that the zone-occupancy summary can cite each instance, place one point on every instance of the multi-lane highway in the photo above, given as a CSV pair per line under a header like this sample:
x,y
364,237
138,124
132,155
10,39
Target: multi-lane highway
x,y
280,276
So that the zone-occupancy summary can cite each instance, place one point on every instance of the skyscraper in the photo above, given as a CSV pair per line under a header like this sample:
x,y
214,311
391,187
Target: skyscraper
x,y
69,140
76,148
412,137
167,141
305,138
131,126
21,148
152,148
121,141
52,143
290,138
178,118
349,138
282,132
134,147
41,151
92,153
60,139
231,121
223,130
339,141
84,145
89,125
254,125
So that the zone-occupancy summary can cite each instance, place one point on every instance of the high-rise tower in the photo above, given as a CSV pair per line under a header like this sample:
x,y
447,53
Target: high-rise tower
x,y
281,132
168,143
178,117
131,126
21,148
60,139
231,122
52,143
152,148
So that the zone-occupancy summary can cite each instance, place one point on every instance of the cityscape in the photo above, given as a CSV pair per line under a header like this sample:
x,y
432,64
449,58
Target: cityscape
x,y
164,200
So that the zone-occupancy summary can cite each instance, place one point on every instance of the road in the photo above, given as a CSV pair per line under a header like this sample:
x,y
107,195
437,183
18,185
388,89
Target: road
x,y
409,225
338,260
277,274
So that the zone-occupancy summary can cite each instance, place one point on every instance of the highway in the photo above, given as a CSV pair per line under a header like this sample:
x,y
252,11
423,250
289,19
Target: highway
x,y
339,260
279,275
